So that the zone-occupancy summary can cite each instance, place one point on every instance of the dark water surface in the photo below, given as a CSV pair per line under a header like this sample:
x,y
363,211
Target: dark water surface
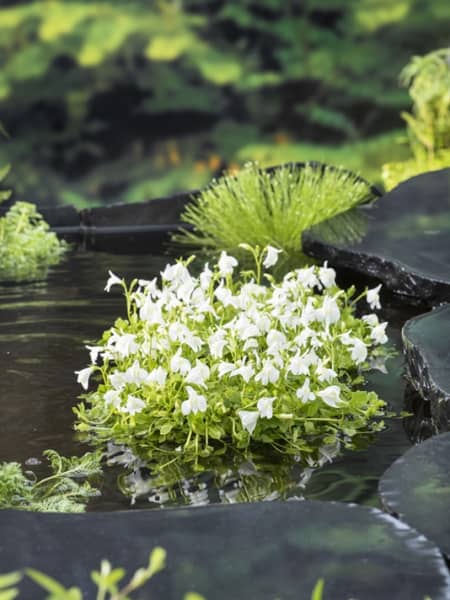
x,y
43,329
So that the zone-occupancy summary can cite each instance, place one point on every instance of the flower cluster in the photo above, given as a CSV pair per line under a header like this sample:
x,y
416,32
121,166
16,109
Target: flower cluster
x,y
203,360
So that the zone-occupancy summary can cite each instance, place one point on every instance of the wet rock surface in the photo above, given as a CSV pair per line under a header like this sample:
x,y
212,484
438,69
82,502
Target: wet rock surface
x,y
403,239
264,551
426,342
417,489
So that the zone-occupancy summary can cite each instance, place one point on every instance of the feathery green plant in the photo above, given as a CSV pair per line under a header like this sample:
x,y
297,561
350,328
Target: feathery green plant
x,y
428,124
27,247
61,491
262,208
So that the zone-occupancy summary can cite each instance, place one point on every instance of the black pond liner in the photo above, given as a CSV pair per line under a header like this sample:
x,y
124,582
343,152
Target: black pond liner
x,y
143,227
255,551
427,349
417,489
402,239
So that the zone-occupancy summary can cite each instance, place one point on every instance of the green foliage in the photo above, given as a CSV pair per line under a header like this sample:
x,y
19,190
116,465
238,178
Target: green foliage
x,y
83,68
27,247
428,80
106,579
260,208
396,172
62,491
428,125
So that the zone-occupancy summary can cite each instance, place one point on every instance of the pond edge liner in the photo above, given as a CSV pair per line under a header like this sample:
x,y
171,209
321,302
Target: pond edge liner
x,y
125,228
399,278
33,521
384,493
419,374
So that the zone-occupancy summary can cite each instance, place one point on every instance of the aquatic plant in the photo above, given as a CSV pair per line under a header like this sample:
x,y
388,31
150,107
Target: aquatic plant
x,y
27,247
106,580
203,362
259,207
66,489
428,125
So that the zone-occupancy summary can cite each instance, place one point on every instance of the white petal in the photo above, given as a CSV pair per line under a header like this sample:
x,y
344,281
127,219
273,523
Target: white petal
x,y
249,418
113,280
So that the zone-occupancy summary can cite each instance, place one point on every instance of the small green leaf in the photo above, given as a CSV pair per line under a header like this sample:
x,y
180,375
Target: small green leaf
x,y
157,560
46,582
10,579
317,593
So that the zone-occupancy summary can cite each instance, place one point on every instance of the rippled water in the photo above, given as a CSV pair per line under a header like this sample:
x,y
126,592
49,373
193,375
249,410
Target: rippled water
x,y
43,329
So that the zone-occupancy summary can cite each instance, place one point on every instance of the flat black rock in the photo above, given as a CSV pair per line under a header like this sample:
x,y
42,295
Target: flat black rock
x,y
263,551
417,489
426,342
403,238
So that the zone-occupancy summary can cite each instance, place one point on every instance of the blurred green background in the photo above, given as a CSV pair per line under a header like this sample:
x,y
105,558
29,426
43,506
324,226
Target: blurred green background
x,y
109,101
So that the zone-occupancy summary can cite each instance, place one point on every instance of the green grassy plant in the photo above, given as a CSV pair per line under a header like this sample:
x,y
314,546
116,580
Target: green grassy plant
x,y
66,489
260,208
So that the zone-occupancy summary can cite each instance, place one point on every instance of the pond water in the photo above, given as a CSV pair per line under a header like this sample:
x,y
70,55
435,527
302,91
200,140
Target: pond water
x,y
43,329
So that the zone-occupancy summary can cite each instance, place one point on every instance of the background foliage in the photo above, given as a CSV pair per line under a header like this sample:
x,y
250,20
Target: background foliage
x,y
109,100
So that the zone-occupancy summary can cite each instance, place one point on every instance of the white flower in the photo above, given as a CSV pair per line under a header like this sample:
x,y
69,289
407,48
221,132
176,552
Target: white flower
x,y
205,277
226,264
113,397
305,334
371,319
225,367
245,371
195,402
276,341
158,376
117,380
271,257
329,312
324,374
113,280
378,334
373,297
83,376
304,393
358,351
198,374
179,364
308,313
94,351
268,374
176,274
151,312
298,365
249,418
224,295
135,374
124,344
245,329
307,277
134,405
331,396
250,343
327,276
265,407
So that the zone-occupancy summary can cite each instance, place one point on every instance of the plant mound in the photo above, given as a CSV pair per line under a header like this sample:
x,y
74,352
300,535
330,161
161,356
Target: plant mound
x,y
205,362
261,207
27,247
